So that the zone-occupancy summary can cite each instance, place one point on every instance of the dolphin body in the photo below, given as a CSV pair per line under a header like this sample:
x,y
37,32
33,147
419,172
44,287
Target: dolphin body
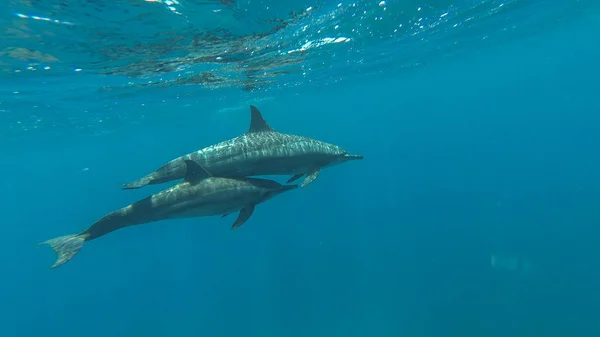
x,y
260,151
198,195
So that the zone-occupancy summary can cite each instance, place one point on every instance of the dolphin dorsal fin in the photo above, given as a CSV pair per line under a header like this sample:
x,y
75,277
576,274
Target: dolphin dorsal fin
x,y
194,172
257,122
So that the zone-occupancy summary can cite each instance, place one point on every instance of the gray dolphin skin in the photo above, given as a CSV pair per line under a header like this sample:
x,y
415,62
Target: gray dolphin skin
x,y
260,151
198,195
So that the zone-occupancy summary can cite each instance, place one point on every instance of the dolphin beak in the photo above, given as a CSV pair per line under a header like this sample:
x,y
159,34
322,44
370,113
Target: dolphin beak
x,y
353,157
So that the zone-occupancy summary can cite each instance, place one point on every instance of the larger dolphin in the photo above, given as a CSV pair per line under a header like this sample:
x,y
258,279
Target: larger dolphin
x,y
260,151
198,195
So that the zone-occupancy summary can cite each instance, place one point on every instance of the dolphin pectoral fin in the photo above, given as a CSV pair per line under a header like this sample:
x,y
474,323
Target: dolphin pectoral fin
x,y
244,215
310,177
295,177
65,247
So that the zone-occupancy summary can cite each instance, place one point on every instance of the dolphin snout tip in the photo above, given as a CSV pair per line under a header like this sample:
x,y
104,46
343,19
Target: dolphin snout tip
x,y
285,188
354,157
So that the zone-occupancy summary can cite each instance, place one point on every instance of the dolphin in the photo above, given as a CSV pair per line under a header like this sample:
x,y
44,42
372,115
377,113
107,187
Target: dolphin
x,y
260,151
198,195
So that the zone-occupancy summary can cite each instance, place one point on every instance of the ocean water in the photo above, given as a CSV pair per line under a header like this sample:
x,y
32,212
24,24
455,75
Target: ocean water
x,y
473,213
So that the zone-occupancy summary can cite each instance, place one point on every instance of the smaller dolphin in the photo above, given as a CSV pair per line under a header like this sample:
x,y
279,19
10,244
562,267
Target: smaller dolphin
x,y
199,194
259,151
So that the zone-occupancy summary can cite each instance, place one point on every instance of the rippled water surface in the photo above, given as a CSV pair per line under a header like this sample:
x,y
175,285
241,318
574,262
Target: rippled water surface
x,y
73,62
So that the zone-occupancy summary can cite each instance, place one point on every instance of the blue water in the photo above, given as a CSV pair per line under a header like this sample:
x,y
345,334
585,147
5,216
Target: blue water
x,y
474,212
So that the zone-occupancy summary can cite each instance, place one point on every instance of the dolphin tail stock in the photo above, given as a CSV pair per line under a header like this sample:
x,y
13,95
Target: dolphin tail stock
x,y
65,247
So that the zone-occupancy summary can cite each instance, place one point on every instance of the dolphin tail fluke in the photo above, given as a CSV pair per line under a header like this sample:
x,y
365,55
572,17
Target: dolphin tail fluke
x,y
65,247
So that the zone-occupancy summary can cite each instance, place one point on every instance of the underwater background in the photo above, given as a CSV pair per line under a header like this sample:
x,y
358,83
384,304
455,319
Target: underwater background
x,y
474,212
